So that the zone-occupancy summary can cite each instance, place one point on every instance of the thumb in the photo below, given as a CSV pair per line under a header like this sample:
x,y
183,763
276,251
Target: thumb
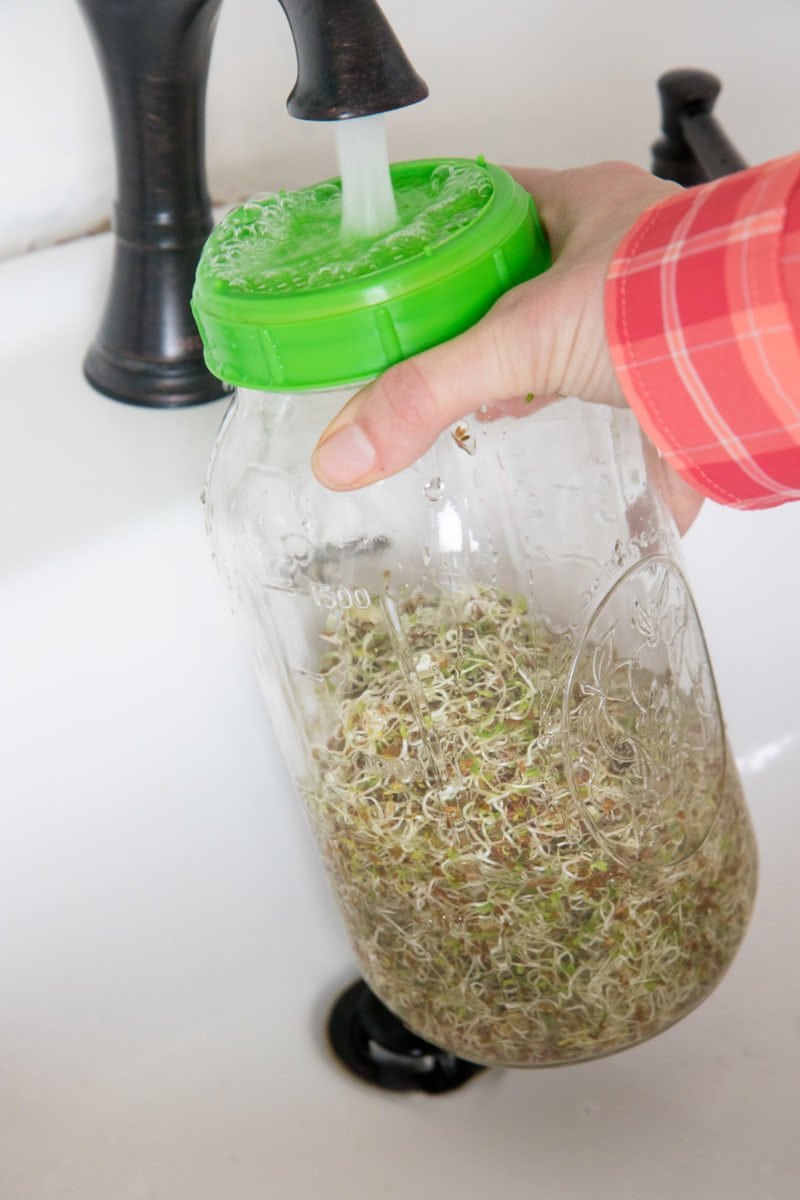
x,y
391,422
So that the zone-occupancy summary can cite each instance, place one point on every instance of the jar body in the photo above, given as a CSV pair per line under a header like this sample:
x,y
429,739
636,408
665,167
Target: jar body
x,y
490,684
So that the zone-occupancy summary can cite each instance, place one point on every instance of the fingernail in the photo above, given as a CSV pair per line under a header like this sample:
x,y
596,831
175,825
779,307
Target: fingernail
x,y
345,457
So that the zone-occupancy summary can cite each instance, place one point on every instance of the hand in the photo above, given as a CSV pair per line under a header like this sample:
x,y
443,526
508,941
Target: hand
x,y
545,337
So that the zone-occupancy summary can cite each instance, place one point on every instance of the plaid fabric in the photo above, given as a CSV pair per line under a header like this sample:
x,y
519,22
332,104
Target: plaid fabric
x,y
703,319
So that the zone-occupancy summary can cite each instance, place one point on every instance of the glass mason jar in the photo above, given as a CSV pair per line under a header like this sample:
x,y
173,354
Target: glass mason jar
x,y
490,683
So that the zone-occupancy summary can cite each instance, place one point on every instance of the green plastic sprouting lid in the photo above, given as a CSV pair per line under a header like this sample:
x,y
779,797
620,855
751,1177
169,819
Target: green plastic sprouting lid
x,y
284,303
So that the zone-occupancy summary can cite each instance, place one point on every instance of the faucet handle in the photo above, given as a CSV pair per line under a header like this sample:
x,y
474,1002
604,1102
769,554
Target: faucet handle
x,y
349,61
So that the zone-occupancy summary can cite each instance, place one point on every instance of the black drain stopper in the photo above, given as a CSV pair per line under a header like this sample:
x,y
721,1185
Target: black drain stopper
x,y
377,1047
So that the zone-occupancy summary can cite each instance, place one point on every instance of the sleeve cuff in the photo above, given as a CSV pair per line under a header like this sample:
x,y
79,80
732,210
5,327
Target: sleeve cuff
x,y
702,336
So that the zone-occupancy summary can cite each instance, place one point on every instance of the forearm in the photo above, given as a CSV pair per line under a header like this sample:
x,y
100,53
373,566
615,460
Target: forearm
x,y
703,322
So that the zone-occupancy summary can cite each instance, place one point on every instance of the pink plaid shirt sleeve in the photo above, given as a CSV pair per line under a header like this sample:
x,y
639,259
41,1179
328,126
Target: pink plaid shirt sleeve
x,y
703,320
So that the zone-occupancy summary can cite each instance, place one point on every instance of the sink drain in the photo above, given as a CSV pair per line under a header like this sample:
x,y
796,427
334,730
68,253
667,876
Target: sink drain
x,y
376,1046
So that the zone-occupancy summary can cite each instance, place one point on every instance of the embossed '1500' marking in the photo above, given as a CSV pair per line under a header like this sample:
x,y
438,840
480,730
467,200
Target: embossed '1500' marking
x,y
326,596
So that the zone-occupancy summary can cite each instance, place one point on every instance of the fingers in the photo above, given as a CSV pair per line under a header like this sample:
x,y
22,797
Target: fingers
x,y
547,335
392,421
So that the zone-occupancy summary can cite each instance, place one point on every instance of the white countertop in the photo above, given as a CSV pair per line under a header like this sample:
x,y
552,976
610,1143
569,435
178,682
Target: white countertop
x,y
168,947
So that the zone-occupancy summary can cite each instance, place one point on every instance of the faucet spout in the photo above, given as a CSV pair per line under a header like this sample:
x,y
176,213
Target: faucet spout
x,y
349,62
154,57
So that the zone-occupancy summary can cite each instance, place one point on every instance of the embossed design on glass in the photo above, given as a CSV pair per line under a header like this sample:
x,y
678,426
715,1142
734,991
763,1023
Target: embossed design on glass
x,y
644,741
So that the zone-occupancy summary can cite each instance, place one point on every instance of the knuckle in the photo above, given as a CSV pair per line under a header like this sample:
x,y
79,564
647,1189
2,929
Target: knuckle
x,y
404,398
515,334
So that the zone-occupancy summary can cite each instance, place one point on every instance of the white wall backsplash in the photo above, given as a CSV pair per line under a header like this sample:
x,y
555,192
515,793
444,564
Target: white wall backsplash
x,y
550,82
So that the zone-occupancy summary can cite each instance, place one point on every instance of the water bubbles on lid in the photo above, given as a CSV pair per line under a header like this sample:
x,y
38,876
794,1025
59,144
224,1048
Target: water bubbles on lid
x,y
330,273
440,177
327,193
252,210
233,220
291,241
407,241
484,189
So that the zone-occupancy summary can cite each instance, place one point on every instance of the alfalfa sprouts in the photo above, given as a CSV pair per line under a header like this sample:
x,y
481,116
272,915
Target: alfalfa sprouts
x,y
482,907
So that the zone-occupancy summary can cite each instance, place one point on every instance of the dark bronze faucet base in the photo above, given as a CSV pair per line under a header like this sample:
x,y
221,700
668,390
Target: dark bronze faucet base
x,y
151,385
147,350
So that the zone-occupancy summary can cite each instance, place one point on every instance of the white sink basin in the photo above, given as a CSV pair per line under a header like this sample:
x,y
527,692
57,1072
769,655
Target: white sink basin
x,y
168,947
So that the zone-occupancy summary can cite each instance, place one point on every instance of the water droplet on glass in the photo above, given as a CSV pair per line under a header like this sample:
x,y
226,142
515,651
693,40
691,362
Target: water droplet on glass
x,y
299,548
433,488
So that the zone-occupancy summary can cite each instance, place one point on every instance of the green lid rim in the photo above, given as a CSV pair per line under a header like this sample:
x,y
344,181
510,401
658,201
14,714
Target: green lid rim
x,y
365,309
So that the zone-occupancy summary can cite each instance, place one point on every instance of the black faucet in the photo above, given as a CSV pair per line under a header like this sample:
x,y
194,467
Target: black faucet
x,y
154,55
